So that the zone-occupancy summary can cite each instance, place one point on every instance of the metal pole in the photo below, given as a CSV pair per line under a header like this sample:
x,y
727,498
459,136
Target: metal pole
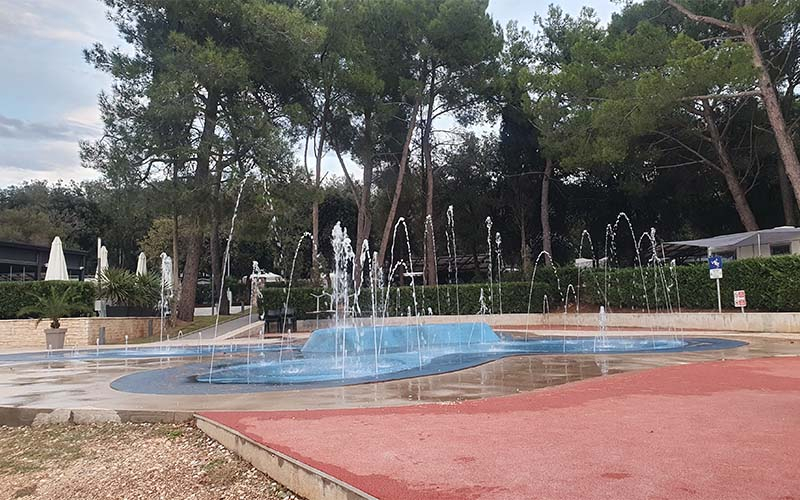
x,y
719,297
758,238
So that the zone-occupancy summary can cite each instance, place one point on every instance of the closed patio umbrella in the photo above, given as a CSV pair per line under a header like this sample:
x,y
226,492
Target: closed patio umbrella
x,y
141,264
56,264
103,259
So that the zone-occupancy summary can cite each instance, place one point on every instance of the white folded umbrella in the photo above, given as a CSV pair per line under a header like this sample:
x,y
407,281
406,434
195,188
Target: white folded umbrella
x,y
103,259
56,264
141,264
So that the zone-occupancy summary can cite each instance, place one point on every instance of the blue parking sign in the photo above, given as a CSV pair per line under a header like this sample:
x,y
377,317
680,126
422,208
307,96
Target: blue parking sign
x,y
715,262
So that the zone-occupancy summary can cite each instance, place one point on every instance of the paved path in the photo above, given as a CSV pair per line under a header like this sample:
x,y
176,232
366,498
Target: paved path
x,y
224,328
728,429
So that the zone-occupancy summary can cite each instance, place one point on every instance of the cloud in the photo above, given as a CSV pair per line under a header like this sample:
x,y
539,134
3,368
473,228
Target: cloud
x,y
46,160
44,156
45,20
61,130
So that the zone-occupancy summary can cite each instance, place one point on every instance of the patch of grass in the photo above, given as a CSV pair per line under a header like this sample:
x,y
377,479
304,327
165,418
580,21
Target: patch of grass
x,y
220,472
173,433
210,466
185,328
199,323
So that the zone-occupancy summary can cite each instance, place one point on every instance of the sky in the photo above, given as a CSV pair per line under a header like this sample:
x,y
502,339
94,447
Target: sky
x,y
48,93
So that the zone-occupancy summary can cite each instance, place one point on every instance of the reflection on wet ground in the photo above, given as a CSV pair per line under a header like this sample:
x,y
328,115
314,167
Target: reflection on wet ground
x,y
86,384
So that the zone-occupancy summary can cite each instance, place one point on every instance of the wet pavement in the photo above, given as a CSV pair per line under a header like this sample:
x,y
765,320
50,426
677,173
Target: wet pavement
x,y
86,384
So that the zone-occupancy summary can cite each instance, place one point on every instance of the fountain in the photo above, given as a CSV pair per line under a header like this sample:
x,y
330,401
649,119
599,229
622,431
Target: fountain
x,y
452,262
601,339
355,351
369,346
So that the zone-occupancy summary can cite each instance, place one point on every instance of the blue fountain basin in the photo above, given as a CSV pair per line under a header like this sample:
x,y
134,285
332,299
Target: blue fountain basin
x,y
230,376
348,355
363,339
309,370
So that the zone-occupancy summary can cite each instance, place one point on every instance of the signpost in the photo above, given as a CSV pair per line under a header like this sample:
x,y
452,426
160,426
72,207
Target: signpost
x,y
715,273
740,299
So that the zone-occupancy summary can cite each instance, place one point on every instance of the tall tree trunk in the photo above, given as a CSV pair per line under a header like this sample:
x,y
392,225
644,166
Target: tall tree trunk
x,y
787,198
191,268
774,113
387,229
524,250
427,156
785,144
726,167
317,180
363,224
219,297
544,210
213,243
176,280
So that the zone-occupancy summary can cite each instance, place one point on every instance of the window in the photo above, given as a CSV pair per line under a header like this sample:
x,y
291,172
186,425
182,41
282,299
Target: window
x,y
782,249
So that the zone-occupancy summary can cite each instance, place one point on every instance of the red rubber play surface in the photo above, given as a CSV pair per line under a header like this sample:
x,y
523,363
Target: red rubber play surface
x,y
721,430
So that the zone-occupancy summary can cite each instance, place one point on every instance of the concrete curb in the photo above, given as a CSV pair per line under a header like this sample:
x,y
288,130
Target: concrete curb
x,y
14,416
299,477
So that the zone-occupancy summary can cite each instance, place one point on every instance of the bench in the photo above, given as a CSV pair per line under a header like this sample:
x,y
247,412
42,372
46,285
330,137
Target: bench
x,y
281,317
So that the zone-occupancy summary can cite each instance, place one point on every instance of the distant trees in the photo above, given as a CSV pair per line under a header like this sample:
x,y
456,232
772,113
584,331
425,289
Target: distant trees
x,y
675,111
198,102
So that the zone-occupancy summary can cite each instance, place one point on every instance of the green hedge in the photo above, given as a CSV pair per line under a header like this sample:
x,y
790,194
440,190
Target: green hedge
x,y
772,284
18,294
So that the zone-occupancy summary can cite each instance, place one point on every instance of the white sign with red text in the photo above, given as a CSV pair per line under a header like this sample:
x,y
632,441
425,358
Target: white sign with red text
x,y
739,298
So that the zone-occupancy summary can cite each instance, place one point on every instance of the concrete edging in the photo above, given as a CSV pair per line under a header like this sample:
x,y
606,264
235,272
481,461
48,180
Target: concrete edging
x,y
299,477
20,416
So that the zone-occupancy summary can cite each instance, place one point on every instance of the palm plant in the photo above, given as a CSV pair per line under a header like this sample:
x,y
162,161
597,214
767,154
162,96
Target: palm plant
x,y
147,291
55,304
117,286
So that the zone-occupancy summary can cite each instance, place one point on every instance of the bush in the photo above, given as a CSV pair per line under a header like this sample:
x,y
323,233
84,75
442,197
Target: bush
x,y
18,295
54,305
772,284
121,287
117,286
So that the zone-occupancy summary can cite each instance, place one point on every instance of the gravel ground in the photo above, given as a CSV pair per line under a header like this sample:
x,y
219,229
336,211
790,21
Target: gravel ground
x,y
125,461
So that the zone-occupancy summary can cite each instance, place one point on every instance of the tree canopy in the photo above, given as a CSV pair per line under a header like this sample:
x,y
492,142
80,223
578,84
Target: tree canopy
x,y
684,114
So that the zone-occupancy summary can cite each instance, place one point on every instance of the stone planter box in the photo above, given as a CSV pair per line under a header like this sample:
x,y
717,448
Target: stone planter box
x,y
55,337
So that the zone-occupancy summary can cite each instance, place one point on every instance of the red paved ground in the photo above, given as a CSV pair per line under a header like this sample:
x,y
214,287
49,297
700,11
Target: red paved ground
x,y
723,430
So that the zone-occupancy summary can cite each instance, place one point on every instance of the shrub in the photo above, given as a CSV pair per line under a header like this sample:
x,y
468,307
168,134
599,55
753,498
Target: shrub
x,y
147,291
772,284
117,286
121,287
55,304
17,295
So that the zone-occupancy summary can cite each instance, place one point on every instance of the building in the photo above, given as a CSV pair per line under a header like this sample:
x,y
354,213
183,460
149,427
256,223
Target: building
x,y
783,240
22,262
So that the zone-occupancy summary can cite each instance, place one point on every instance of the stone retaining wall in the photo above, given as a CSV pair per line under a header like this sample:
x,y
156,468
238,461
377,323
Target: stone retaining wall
x,y
81,332
736,322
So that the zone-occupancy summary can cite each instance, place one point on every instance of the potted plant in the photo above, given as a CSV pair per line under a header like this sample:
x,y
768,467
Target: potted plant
x,y
117,288
128,294
55,304
146,296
